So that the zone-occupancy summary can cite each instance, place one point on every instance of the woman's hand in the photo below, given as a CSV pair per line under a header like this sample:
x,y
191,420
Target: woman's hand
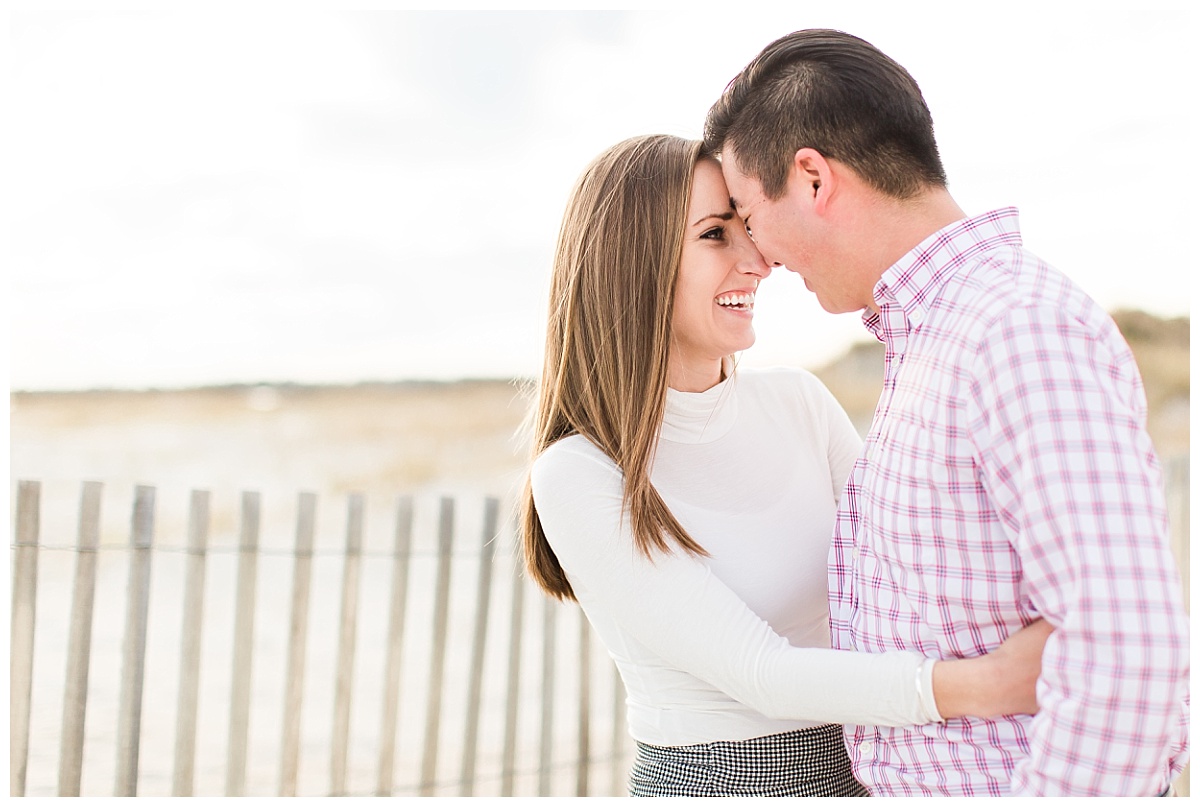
x,y
1003,682
1019,660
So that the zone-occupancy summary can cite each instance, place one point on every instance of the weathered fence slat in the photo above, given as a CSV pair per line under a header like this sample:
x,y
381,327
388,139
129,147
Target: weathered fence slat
x,y
618,783
395,644
585,706
189,652
347,632
1178,474
483,593
79,643
293,698
546,754
513,692
129,722
20,663
437,665
243,646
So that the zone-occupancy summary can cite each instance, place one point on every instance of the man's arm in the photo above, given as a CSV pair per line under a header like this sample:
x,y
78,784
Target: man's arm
x,y
1065,456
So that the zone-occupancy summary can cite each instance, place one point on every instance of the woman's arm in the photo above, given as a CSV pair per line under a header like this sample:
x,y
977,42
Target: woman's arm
x,y
690,620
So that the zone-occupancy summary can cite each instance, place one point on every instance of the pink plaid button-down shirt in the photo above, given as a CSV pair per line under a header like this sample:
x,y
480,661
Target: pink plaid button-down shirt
x,y
1008,475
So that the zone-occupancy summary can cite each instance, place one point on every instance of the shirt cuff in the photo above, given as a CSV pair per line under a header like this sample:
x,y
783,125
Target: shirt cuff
x,y
925,692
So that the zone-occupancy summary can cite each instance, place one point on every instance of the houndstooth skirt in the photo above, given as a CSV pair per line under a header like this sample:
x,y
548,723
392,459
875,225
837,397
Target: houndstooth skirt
x,y
806,762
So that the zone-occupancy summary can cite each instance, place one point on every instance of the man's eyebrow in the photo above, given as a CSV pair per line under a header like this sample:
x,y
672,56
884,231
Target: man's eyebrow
x,y
733,203
726,216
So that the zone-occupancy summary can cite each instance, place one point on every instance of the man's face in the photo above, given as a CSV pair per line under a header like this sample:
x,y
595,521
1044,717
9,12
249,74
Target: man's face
x,y
789,233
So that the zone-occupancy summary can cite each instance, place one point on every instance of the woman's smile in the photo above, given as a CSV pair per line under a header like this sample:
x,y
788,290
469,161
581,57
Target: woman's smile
x,y
737,302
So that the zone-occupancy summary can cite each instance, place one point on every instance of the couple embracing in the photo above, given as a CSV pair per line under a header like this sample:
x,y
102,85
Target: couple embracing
x,y
978,599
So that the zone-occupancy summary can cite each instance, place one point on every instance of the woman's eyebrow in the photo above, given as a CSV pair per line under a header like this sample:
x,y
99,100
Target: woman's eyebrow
x,y
726,216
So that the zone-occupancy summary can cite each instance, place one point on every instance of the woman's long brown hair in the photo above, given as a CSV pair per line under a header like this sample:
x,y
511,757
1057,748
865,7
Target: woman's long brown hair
x,y
608,335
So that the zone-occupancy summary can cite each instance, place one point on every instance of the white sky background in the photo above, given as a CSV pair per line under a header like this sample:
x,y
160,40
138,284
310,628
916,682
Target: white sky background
x,y
335,196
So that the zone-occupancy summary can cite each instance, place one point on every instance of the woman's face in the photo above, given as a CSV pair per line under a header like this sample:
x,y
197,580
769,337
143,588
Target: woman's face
x,y
718,274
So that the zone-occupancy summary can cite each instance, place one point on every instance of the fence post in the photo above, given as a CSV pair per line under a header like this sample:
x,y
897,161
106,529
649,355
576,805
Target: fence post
x,y
1178,474
511,702
437,666
346,640
189,648
293,699
482,600
549,612
129,724
79,645
243,647
1179,503
618,783
20,664
395,644
585,708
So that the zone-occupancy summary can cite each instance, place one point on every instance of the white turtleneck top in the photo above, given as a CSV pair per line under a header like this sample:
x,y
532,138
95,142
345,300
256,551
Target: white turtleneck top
x,y
734,645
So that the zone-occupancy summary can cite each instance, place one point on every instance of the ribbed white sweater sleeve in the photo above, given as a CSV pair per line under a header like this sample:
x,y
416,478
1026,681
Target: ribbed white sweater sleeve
x,y
675,609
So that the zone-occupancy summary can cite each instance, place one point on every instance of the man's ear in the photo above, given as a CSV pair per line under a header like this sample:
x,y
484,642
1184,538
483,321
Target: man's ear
x,y
813,177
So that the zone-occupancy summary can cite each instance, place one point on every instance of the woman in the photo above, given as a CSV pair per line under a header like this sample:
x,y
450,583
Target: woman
x,y
688,508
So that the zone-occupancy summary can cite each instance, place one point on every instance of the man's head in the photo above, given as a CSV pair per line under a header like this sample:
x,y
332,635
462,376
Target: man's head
x,y
824,140
835,93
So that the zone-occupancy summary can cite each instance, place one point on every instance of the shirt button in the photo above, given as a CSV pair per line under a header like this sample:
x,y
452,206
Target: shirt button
x,y
866,748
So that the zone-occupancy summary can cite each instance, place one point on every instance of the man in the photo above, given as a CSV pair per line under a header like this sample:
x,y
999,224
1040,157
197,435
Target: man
x,y
1007,474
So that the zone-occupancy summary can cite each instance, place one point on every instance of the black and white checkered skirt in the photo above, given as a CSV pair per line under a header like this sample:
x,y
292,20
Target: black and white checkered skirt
x,y
806,762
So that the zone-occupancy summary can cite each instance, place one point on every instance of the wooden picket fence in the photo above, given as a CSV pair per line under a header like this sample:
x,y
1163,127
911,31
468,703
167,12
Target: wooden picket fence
x,y
578,750
564,758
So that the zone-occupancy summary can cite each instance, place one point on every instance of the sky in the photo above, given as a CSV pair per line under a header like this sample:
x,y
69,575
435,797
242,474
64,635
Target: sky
x,y
241,194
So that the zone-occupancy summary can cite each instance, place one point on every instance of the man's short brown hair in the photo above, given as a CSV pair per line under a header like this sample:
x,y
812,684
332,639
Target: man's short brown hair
x,y
838,94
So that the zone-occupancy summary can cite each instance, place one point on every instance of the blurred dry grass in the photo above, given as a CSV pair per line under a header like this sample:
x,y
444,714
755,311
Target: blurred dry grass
x,y
331,439
1163,352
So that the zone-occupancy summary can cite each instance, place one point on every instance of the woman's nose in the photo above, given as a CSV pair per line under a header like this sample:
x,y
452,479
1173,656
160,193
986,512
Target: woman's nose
x,y
752,263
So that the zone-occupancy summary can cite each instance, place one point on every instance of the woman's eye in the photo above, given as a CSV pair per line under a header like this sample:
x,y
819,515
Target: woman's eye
x,y
716,232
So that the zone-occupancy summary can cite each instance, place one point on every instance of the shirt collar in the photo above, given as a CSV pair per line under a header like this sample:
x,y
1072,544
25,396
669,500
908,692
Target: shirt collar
x,y
701,417
908,288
